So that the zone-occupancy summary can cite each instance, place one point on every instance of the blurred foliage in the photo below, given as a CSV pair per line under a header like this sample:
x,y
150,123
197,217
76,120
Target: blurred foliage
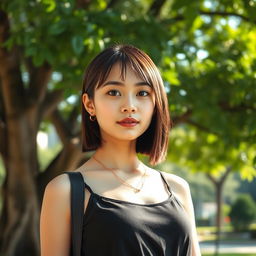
x,y
46,155
205,50
200,186
208,153
248,187
243,212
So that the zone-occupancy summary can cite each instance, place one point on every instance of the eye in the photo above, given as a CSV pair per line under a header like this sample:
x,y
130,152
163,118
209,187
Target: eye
x,y
143,93
113,93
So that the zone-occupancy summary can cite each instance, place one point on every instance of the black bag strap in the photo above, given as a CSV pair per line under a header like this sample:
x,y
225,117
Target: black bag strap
x,y
77,211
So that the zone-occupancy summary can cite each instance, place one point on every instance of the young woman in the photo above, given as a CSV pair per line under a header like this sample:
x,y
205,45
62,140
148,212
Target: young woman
x,y
130,209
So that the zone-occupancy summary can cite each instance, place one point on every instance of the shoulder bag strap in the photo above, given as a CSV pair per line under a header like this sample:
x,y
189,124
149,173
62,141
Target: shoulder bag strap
x,y
77,211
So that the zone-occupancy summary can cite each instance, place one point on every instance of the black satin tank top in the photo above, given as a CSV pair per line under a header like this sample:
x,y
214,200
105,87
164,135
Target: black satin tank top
x,y
114,227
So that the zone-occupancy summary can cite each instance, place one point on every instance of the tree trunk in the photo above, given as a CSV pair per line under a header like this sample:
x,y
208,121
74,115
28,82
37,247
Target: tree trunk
x,y
19,219
23,109
219,196
19,223
67,159
219,184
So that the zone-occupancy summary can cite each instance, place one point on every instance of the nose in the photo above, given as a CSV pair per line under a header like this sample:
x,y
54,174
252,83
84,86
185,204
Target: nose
x,y
129,106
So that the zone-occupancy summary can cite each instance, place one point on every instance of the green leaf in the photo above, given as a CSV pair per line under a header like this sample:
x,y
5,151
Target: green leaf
x,y
254,162
51,5
191,13
178,4
171,77
8,43
57,28
198,22
30,51
38,58
77,44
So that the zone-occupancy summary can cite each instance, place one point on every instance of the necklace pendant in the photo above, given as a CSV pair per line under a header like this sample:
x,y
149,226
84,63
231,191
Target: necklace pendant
x,y
136,190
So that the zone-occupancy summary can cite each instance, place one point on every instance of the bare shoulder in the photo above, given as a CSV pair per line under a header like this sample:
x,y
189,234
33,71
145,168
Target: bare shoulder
x,y
177,184
59,184
57,193
55,217
180,188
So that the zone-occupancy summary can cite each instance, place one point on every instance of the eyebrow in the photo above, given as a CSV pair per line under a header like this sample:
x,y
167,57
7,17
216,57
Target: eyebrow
x,y
122,84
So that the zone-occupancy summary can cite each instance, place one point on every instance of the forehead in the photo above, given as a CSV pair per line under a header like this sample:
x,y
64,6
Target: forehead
x,y
119,71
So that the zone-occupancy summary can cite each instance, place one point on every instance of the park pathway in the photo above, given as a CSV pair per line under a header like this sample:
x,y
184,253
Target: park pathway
x,y
230,247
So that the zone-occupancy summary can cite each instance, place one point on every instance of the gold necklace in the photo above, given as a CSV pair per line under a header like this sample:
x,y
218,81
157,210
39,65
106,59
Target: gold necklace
x,y
136,190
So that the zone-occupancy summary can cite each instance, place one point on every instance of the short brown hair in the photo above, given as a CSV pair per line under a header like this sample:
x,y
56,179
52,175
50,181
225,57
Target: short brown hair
x,y
154,141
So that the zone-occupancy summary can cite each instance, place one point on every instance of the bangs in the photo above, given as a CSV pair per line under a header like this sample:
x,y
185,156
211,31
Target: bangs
x,y
124,60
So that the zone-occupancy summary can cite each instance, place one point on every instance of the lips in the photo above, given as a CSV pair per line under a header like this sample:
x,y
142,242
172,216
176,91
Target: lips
x,y
128,122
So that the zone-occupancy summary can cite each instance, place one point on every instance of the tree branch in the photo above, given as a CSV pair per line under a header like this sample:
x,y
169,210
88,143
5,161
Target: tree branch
x,y
83,4
50,103
238,108
222,178
111,3
226,173
67,159
185,118
38,80
60,126
156,6
182,118
201,127
212,179
211,13
220,13
12,86
72,119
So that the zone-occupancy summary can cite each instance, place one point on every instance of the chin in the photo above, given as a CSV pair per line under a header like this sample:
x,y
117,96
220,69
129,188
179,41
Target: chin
x,y
127,137
123,135
117,136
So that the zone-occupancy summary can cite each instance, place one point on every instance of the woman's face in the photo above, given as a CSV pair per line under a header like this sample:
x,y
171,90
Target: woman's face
x,y
118,99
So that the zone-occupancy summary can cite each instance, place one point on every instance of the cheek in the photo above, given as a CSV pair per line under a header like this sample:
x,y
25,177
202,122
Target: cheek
x,y
105,109
149,108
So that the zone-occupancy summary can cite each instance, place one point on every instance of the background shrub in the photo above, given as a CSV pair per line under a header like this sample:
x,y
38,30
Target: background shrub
x,y
243,212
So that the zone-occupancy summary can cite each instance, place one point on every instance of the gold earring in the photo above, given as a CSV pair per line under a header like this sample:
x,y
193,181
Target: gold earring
x,y
92,118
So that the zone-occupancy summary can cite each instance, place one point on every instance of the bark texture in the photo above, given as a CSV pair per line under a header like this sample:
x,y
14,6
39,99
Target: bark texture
x,y
22,110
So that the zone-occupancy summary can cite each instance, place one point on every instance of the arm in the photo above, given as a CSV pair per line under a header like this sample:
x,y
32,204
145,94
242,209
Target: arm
x,y
182,192
55,218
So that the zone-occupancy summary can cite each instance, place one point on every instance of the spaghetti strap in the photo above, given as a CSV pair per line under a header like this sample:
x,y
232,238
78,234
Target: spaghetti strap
x,y
166,183
86,185
88,188
77,211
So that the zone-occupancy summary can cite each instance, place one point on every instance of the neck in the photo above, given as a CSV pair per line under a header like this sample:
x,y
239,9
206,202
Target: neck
x,y
119,156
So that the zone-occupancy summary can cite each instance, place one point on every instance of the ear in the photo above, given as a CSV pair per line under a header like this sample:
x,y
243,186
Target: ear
x,y
88,104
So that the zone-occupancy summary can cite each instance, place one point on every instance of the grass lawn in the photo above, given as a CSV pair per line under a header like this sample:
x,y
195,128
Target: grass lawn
x,y
209,233
231,254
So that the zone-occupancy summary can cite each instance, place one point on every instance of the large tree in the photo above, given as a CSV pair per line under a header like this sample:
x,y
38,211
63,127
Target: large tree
x,y
204,49
42,40
214,96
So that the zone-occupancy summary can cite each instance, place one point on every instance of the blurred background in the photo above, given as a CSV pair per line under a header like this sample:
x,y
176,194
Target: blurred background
x,y
206,52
